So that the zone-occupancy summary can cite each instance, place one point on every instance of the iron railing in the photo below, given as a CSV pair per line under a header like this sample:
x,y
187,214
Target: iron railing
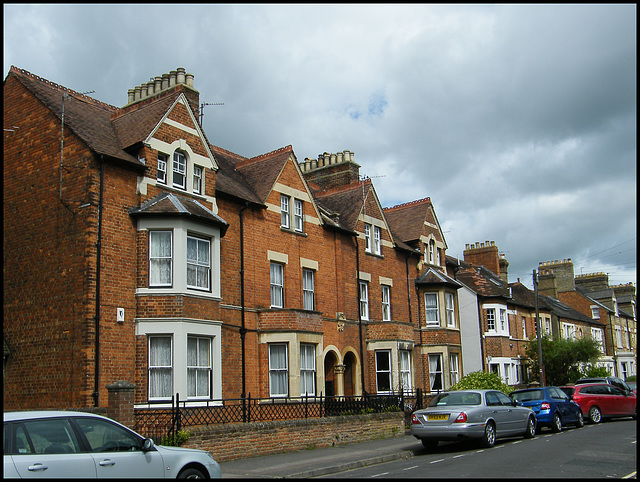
x,y
158,420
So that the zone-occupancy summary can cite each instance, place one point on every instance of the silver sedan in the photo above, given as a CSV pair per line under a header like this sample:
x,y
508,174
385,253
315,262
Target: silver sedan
x,y
484,415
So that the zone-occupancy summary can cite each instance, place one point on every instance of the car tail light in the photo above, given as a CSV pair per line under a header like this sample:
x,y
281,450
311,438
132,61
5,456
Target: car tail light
x,y
414,419
461,418
545,406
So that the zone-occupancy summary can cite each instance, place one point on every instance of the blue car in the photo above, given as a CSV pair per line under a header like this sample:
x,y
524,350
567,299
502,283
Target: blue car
x,y
553,408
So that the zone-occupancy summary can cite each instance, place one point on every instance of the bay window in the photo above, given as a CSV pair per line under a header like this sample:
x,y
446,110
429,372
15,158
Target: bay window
x,y
383,371
435,372
307,369
431,310
160,367
278,370
198,263
198,367
160,258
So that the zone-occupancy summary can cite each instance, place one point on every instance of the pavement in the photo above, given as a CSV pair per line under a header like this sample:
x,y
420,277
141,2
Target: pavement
x,y
301,464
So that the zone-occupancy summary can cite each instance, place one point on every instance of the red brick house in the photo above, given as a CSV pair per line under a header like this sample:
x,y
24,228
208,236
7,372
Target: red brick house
x,y
136,250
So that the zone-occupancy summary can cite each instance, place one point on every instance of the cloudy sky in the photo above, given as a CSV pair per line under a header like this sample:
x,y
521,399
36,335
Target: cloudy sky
x,y
518,121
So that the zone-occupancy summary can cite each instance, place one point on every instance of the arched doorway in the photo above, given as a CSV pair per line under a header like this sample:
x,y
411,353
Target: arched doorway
x,y
330,362
349,374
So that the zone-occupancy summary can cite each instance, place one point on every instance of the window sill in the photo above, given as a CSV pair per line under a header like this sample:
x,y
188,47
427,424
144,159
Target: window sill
x,y
293,231
375,255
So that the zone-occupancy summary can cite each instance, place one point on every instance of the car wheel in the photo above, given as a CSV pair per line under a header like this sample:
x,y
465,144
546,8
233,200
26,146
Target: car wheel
x,y
557,423
595,415
192,473
428,443
580,422
489,437
531,428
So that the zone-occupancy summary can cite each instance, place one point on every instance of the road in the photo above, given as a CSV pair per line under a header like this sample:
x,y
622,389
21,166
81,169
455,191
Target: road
x,y
604,450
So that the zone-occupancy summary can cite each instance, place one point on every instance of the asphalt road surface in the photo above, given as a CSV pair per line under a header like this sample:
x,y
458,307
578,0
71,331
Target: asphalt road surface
x,y
607,449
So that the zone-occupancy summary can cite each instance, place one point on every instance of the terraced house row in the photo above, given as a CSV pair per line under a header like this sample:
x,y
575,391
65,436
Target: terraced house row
x,y
136,250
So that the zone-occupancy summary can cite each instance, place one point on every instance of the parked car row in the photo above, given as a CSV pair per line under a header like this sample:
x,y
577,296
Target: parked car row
x,y
61,444
486,415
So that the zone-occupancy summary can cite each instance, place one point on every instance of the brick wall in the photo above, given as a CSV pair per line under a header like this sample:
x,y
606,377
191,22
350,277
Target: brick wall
x,y
242,440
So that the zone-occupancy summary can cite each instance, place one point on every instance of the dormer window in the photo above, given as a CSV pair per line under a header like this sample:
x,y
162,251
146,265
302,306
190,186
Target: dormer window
x,y
179,170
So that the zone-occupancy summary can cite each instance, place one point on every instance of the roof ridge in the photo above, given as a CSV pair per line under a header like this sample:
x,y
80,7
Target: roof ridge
x,y
409,204
227,151
247,161
84,97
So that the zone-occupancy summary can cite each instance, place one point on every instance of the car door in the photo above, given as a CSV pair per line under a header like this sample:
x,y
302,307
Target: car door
x,y
498,412
621,403
47,448
117,452
568,413
515,417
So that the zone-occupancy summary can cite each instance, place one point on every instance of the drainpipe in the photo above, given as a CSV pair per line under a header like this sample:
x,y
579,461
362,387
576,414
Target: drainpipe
x,y
97,315
406,263
355,237
243,329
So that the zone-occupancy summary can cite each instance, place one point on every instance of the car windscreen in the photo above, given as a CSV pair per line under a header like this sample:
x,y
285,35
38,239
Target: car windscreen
x,y
528,395
453,398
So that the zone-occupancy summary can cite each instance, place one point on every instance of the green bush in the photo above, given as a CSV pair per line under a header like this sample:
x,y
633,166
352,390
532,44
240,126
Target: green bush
x,y
482,380
632,378
592,371
180,437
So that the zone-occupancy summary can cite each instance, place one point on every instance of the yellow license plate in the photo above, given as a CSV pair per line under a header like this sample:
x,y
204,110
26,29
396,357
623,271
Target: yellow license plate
x,y
437,417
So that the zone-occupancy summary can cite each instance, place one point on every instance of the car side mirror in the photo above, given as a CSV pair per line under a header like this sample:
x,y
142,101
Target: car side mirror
x,y
148,445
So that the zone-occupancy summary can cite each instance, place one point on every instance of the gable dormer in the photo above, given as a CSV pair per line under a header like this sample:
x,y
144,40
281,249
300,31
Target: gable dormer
x,y
160,124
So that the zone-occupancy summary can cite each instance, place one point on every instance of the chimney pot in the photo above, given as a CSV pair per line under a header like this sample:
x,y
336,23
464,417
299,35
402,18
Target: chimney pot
x,y
189,80
339,157
332,159
158,82
150,87
181,75
165,81
138,90
131,95
172,78
143,91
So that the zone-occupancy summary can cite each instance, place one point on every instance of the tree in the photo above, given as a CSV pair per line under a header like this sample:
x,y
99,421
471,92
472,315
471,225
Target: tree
x,y
480,380
563,360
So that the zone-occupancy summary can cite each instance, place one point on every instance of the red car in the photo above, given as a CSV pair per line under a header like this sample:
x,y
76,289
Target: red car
x,y
601,400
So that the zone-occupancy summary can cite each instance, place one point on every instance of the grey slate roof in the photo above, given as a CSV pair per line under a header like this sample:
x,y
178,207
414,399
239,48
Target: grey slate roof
x,y
170,204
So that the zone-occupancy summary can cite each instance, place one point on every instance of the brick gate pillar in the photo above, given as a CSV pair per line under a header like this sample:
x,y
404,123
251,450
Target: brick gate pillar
x,y
120,403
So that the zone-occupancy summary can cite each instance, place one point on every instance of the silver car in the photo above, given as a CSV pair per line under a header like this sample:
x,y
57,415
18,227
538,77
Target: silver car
x,y
65,444
484,415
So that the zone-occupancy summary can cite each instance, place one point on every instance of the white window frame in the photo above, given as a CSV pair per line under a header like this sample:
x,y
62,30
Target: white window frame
x,y
524,328
450,309
198,367
405,370
179,170
278,371
431,249
598,336
491,319
618,331
382,371
162,168
454,368
160,259
307,369
386,302
364,300
285,220
154,367
197,179
367,238
377,246
431,310
436,381
308,289
277,284
497,319
595,312
504,321
568,331
200,264
298,215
